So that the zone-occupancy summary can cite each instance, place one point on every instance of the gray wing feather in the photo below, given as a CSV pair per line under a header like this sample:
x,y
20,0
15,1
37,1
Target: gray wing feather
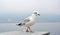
x,y
24,22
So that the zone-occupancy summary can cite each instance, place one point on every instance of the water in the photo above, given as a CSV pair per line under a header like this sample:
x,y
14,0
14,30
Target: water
x,y
53,28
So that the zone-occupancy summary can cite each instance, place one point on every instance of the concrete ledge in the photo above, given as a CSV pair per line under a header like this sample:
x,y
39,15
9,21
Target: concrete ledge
x,y
24,33
46,33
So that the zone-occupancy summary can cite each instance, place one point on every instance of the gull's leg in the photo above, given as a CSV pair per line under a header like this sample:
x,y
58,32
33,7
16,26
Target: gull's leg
x,y
29,29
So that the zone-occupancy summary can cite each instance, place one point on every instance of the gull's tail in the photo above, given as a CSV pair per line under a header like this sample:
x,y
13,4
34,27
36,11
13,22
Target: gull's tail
x,y
20,24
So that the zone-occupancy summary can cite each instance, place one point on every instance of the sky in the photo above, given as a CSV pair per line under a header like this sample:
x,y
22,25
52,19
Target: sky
x,y
49,9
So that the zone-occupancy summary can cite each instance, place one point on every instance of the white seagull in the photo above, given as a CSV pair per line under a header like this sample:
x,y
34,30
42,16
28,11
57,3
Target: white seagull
x,y
29,21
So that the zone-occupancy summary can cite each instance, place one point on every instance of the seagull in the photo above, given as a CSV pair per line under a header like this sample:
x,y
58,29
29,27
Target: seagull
x,y
29,21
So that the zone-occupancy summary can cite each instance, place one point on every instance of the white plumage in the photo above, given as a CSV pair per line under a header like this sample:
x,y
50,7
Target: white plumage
x,y
29,21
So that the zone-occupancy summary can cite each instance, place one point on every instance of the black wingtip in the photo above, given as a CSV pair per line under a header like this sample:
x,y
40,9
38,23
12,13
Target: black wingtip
x,y
19,24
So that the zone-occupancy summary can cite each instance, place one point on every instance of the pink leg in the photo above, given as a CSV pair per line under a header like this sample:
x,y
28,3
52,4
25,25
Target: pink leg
x,y
29,29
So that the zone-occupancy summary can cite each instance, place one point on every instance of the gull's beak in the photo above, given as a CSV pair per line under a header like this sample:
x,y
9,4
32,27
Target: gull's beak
x,y
39,14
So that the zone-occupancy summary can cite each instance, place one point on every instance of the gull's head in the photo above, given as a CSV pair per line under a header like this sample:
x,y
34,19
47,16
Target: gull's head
x,y
36,13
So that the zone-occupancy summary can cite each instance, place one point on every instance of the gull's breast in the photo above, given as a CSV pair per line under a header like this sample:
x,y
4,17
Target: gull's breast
x,y
32,22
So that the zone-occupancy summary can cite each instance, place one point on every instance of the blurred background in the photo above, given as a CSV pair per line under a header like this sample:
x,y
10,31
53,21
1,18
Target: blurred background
x,y
16,10
13,11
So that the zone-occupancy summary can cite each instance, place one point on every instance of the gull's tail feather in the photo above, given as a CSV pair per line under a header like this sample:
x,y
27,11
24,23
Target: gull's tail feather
x,y
21,24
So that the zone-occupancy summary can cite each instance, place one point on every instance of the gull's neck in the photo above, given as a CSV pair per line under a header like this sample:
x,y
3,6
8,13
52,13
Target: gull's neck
x,y
34,17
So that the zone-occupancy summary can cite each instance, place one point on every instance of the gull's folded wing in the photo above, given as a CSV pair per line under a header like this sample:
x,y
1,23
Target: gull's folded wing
x,y
24,22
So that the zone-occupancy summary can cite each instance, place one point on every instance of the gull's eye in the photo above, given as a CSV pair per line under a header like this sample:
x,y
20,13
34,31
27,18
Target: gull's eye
x,y
35,12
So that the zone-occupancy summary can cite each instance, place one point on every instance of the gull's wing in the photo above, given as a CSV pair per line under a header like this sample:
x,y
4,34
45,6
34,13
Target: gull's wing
x,y
24,21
